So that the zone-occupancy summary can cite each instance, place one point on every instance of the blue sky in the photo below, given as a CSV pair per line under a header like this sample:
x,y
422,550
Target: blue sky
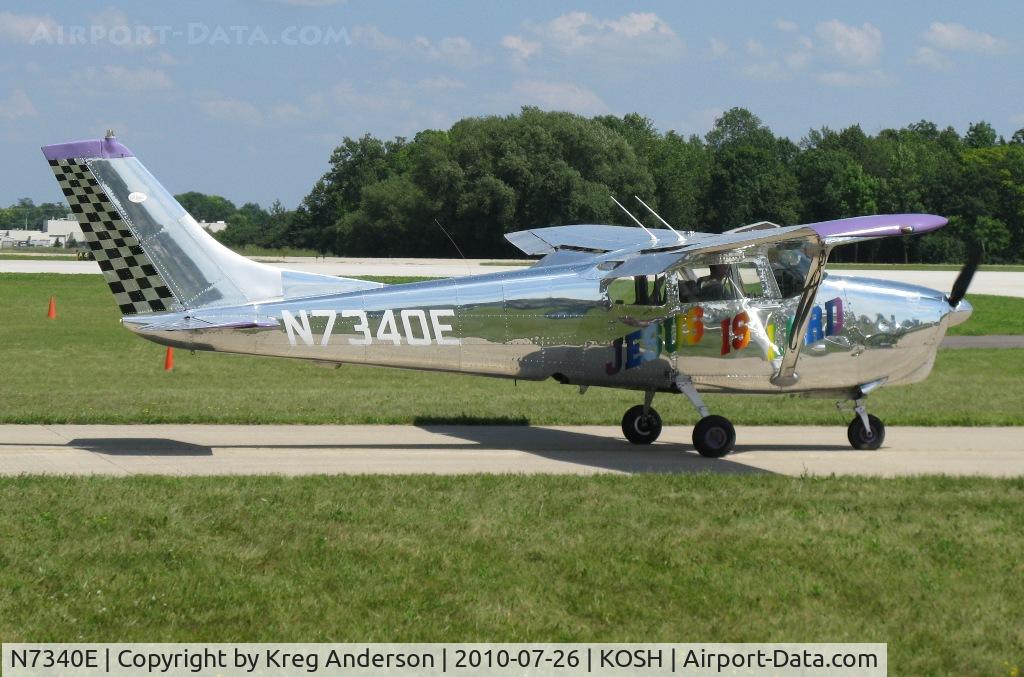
x,y
247,98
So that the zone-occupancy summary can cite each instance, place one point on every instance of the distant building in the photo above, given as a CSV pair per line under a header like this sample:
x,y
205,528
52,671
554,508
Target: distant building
x,y
213,226
61,231
9,239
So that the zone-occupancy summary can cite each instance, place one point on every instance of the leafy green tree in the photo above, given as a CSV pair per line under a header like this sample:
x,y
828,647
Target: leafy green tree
x,y
204,207
486,176
980,135
751,177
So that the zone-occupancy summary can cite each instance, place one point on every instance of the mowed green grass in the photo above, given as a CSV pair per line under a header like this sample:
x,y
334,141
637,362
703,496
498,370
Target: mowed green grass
x,y
932,566
992,315
84,367
38,257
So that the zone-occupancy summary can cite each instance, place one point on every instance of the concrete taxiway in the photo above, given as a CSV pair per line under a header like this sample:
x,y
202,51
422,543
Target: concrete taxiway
x,y
302,450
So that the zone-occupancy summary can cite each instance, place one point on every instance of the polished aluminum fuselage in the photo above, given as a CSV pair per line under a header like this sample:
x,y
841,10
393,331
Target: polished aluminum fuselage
x,y
560,322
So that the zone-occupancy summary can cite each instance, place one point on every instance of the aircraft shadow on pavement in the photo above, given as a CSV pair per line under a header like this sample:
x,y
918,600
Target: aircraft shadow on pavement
x,y
566,446
140,446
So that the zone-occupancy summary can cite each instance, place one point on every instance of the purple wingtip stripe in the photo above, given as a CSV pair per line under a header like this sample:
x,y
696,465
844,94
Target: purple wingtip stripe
x,y
89,148
879,225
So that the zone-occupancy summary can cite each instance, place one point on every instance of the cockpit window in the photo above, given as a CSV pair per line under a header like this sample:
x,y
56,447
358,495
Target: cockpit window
x,y
716,282
789,266
641,290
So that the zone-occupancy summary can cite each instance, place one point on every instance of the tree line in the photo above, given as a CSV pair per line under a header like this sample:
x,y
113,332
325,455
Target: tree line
x,y
27,215
486,176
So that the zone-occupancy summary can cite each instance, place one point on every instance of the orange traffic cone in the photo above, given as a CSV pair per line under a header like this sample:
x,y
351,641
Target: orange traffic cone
x,y
52,311
169,359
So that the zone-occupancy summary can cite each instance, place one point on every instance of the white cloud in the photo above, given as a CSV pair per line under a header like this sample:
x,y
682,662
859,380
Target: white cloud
x,y
873,78
114,22
718,48
756,48
798,60
287,112
131,79
775,64
440,83
933,58
387,96
522,48
457,51
374,38
559,96
769,71
852,45
26,28
17,105
634,37
165,59
233,110
956,37
785,25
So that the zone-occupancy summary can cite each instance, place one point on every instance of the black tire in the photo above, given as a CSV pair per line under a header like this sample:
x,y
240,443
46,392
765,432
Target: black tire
x,y
861,438
640,429
714,436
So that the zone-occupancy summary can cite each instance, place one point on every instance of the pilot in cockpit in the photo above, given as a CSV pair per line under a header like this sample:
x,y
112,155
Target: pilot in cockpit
x,y
717,285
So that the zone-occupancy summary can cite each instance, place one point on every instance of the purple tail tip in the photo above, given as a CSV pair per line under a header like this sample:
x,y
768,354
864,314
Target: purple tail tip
x,y
90,148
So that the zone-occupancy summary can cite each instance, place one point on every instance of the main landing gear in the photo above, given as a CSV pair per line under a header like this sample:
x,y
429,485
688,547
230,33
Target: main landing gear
x,y
713,436
865,431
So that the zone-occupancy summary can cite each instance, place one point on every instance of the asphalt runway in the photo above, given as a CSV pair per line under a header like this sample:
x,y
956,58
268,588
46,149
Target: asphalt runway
x,y
985,282
583,450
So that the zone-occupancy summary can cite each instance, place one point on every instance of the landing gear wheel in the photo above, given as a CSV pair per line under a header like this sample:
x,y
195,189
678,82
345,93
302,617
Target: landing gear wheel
x,y
861,438
714,436
639,428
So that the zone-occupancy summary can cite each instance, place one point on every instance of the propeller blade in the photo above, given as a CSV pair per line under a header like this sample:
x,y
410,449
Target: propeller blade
x,y
963,280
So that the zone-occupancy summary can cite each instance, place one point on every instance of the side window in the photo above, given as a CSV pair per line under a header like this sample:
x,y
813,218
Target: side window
x,y
750,280
716,282
723,282
642,290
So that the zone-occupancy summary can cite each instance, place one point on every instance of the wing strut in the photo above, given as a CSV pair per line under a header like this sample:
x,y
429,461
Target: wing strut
x,y
786,375
678,235
646,230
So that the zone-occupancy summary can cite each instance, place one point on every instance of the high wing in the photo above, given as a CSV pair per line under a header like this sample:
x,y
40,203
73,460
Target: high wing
x,y
603,239
632,252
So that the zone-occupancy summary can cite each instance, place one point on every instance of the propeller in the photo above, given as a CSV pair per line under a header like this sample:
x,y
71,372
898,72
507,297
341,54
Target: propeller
x,y
963,280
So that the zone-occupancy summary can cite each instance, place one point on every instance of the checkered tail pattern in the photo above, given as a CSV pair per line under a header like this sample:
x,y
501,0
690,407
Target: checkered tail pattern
x,y
131,275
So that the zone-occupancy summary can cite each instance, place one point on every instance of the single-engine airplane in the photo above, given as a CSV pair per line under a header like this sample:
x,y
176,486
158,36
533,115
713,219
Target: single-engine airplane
x,y
751,310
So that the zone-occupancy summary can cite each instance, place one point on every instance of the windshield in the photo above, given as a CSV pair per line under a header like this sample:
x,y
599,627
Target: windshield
x,y
790,266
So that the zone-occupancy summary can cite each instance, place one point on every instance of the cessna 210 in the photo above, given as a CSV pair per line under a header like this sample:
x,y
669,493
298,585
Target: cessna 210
x,y
751,310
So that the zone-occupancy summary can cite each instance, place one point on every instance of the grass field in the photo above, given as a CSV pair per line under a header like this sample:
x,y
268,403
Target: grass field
x,y
992,315
84,368
38,257
933,566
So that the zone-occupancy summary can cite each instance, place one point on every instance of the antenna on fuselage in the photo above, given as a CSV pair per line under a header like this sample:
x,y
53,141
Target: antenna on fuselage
x,y
646,230
658,216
